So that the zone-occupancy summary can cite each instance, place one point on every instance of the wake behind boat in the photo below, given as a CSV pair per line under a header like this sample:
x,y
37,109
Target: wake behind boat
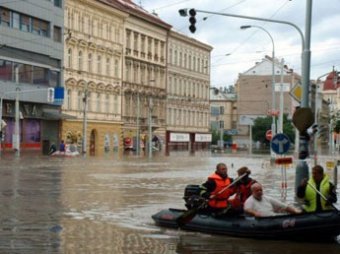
x,y
306,226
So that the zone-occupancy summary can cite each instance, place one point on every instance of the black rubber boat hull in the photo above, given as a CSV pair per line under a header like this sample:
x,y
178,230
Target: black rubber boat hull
x,y
307,226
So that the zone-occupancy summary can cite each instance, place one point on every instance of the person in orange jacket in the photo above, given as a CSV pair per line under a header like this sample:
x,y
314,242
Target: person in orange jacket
x,y
214,189
242,189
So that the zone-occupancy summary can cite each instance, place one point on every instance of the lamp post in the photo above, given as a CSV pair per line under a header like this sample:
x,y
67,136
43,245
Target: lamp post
x,y
138,127
85,120
150,127
273,127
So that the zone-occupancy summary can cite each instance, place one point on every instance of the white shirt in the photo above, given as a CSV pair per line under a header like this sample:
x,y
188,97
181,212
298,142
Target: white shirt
x,y
267,206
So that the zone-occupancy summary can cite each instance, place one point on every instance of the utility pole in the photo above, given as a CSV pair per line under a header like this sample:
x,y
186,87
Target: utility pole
x,y
150,127
138,127
84,147
16,136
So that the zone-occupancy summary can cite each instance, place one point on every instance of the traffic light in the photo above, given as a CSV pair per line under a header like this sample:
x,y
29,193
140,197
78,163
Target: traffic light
x,y
192,20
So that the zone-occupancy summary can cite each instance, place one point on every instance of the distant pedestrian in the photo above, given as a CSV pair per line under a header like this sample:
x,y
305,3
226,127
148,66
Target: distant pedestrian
x,y
62,147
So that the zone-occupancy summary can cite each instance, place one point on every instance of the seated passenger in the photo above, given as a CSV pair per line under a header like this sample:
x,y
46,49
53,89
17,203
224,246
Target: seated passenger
x,y
259,205
242,189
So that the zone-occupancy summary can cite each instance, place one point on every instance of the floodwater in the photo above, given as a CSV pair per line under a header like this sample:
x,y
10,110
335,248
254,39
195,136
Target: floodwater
x,y
104,205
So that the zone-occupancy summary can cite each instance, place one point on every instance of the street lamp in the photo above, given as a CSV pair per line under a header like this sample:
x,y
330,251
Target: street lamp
x,y
150,126
85,120
273,82
137,122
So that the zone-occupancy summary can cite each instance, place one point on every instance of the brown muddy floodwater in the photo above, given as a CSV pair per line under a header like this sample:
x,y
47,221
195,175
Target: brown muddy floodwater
x,y
104,205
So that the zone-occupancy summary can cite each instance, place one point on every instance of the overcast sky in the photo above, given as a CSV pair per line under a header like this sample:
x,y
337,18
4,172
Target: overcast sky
x,y
236,50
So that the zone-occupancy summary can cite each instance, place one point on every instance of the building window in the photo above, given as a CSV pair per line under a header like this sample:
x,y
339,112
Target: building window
x,y
58,3
25,73
57,33
16,20
25,23
108,65
107,103
40,27
40,75
89,101
69,102
5,17
69,58
116,68
89,62
115,104
6,70
99,65
98,103
80,100
54,78
80,60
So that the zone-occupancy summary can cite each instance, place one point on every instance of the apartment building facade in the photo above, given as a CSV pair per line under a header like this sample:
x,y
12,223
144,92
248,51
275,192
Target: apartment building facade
x,y
31,60
188,84
254,95
94,39
144,77
223,112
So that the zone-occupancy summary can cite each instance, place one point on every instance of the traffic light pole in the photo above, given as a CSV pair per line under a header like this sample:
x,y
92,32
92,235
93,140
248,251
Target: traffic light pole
x,y
302,167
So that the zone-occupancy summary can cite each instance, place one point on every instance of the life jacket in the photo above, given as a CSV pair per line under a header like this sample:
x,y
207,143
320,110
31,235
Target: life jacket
x,y
243,191
219,200
311,195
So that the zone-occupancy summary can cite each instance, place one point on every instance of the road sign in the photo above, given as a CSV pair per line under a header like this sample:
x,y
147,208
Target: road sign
x,y
280,143
296,92
231,132
284,161
269,135
284,87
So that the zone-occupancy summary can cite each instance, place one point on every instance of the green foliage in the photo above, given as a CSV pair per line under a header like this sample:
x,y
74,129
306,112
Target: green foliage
x,y
337,126
216,136
262,124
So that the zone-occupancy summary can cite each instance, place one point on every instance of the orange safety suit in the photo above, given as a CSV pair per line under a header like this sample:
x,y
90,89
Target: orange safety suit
x,y
219,200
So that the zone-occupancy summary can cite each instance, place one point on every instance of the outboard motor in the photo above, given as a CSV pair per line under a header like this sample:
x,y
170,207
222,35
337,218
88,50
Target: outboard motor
x,y
192,196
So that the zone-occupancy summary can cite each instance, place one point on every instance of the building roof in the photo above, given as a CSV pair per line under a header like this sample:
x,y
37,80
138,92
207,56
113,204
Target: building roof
x,y
332,81
134,10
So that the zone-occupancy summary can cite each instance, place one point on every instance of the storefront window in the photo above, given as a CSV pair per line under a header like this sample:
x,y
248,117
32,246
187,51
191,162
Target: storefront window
x,y
32,131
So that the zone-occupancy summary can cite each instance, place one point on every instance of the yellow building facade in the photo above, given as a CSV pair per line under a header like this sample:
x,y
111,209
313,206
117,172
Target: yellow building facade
x,y
93,57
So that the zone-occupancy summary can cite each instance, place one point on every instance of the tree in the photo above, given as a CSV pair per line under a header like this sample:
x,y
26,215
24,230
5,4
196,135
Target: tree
x,y
262,124
336,128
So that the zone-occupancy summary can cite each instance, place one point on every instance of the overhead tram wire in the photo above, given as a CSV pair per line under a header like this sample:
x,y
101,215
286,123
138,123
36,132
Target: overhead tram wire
x,y
251,35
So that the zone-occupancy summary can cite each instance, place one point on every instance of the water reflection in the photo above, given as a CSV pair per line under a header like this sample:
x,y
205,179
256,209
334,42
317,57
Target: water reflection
x,y
103,205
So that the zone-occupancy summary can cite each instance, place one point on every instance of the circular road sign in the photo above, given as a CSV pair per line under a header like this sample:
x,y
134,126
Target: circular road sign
x,y
280,143
269,135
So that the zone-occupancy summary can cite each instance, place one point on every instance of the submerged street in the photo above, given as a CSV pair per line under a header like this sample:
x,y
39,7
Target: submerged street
x,y
104,205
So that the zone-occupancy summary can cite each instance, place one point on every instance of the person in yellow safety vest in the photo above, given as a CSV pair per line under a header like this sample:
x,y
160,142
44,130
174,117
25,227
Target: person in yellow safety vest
x,y
313,201
215,191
